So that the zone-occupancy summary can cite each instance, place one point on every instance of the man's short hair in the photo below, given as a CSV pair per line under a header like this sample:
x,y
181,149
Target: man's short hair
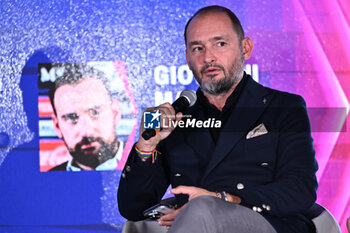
x,y
74,73
237,26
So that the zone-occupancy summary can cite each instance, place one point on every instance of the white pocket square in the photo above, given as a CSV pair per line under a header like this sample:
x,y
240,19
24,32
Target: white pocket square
x,y
257,131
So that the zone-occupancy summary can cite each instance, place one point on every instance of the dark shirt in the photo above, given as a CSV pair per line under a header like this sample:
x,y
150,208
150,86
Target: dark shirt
x,y
210,111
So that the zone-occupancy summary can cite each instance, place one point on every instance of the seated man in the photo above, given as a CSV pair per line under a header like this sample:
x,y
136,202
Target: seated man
x,y
254,174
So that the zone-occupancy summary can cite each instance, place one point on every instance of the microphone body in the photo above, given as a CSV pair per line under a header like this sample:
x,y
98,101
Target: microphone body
x,y
187,99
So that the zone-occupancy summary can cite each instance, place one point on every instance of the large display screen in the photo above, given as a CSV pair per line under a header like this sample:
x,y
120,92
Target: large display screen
x,y
91,116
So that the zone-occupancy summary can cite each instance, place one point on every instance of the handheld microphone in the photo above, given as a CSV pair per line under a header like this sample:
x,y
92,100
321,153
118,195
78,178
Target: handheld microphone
x,y
187,99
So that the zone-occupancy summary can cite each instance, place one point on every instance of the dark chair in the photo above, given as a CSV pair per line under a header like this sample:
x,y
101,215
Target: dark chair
x,y
323,219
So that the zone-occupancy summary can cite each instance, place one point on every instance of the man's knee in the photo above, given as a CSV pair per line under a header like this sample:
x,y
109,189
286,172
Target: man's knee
x,y
197,212
202,204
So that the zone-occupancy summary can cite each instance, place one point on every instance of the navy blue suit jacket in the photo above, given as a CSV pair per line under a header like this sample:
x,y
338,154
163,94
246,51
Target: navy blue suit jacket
x,y
276,169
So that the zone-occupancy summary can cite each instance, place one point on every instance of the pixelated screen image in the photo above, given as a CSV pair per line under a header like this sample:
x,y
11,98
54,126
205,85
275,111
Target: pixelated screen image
x,y
88,98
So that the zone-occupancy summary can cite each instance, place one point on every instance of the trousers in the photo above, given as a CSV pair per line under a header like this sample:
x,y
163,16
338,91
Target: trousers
x,y
207,214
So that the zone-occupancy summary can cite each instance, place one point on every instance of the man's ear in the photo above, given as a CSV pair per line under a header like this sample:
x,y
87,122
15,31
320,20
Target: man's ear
x,y
56,125
247,47
117,111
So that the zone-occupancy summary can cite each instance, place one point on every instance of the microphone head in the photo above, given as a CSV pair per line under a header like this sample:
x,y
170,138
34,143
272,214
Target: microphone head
x,y
190,95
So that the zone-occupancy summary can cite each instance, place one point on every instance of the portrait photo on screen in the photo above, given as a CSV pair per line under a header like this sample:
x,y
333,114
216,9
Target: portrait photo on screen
x,y
87,116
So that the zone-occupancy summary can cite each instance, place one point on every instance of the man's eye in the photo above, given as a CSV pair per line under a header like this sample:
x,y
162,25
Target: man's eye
x,y
196,49
221,44
94,112
72,117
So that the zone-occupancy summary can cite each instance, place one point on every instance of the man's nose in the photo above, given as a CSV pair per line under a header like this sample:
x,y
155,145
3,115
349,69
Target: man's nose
x,y
85,126
209,56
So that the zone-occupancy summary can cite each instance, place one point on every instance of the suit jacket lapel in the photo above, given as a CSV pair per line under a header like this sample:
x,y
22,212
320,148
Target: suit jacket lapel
x,y
199,139
251,104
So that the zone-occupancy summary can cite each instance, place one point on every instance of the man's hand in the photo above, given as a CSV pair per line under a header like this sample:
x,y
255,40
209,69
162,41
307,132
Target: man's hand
x,y
191,191
167,122
168,219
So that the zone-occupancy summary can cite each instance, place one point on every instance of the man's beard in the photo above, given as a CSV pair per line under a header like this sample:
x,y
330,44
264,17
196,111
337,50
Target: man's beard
x,y
223,85
91,157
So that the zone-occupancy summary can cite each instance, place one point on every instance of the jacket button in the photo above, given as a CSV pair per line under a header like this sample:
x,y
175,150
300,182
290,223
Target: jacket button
x,y
127,168
264,164
177,174
240,186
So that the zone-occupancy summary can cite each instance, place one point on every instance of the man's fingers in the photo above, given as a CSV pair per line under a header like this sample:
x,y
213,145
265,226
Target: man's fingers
x,y
168,122
165,222
168,219
180,190
167,115
178,116
191,191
